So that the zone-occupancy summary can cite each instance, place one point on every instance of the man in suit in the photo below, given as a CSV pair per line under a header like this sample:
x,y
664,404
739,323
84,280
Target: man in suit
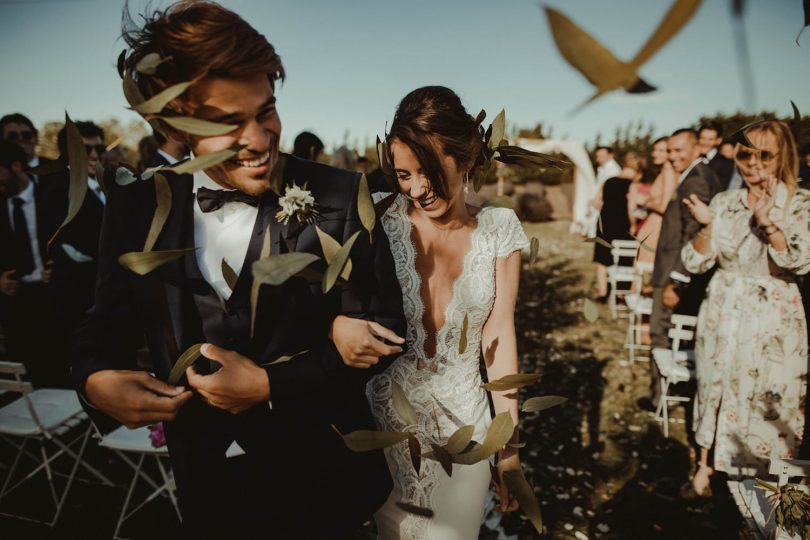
x,y
710,137
24,273
252,448
168,153
670,288
19,129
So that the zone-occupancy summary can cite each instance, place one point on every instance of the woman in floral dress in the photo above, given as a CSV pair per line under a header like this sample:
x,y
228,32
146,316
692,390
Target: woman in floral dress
x,y
751,345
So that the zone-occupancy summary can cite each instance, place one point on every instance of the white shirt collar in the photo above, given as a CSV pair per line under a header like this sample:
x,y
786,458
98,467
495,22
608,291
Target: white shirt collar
x,y
203,180
34,162
168,157
27,194
711,153
685,173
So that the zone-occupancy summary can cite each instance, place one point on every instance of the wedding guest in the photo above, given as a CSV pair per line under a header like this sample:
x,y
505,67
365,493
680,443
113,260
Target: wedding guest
x,y
607,167
147,150
751,350
670,290
362,165
710,137
615,216
19,129
343,158
308,146
169,151
660,194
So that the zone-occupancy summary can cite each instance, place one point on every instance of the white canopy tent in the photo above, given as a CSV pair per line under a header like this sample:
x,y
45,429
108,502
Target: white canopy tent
x,y
584,219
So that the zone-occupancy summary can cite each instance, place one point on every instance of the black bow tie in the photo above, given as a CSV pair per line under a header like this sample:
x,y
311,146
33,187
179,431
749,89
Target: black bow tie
x,y
214,199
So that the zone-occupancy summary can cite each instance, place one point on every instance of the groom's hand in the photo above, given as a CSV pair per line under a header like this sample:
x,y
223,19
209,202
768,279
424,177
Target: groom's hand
x,y
237,386
134,398
361,343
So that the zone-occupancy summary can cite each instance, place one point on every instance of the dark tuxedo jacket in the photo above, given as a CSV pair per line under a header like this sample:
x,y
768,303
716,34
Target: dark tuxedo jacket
x,y
44,230
678,225
723,168
295,467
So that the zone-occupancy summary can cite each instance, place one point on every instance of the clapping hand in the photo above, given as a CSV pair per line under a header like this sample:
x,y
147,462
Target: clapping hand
x,y
699,210
764,202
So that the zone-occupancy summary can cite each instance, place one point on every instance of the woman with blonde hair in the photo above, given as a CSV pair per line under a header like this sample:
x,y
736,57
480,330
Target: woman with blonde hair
x,y
751,348
656,203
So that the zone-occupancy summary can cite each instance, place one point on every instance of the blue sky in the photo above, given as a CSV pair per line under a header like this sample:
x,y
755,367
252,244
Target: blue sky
x,y
349,63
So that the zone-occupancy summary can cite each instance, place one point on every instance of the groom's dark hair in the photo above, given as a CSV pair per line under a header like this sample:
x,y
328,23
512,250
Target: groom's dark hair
x,y
195,39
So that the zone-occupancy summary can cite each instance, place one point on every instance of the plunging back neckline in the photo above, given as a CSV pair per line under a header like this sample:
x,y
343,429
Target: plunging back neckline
x,y
419,318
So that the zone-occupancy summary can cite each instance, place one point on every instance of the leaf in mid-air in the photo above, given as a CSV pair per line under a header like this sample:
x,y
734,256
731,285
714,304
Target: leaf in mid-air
x,y
143,262
186,359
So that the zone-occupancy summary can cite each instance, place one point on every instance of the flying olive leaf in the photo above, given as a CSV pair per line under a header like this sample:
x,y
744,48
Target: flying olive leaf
x,y
186,359
163,195
204,162
256,285
77,158
156,103
402,406
283,359
114,144
590,311
480,117
796,123
541,403
806,5
416,453
462,342
338,263
599,240
100,177
365,207
499,433
443,457
365,440
498,129
124,177
382,155
131,92
149,63
523,492
277,269
330,247
459,440
121,63
517,445
511,382
229,274
534,250
415,510
143,262
384,204
739,136
196,126
471,456
76,255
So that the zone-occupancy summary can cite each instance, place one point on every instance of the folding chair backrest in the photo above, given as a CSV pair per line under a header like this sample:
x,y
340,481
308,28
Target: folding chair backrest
x,y
683,330
785,468
16,384
644,267
623,249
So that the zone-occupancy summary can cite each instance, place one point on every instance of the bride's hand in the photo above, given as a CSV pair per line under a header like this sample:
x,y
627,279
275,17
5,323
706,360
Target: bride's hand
x,y
360,342
509,461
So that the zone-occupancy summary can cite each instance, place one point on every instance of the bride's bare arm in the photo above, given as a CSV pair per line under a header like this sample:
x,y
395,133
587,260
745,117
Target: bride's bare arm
x,y
499,345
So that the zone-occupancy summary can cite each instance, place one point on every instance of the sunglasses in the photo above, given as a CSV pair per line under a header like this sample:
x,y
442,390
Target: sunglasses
x,y
99,148
17,136
744,154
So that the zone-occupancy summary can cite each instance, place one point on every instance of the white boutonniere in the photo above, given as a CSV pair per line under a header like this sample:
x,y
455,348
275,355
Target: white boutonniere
x,y
297,202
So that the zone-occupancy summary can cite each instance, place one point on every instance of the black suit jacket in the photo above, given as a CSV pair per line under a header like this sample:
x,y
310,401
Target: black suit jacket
x,y
294,460
44,229
678,225
723,168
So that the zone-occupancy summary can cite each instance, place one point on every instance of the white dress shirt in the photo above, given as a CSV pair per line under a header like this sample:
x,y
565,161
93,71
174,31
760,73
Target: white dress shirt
x,y
30,210
168,157
610,169
32,164
711,153
685,173
221,234
95,187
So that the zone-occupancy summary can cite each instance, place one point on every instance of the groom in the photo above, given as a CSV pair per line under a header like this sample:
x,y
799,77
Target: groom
x,y
250,439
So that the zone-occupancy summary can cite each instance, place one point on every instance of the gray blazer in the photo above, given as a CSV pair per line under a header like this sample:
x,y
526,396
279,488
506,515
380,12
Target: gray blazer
x,y
679,226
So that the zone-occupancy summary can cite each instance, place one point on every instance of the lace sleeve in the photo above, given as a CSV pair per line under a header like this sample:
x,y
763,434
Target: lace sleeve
x,y
795,227
511,237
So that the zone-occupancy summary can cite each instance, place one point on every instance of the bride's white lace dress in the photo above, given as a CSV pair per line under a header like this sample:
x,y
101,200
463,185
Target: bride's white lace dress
x,y
445,390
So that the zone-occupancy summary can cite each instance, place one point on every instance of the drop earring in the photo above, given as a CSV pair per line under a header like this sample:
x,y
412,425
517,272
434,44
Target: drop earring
x,y
467,183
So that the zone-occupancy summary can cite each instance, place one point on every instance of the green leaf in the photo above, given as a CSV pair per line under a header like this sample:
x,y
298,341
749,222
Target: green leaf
x,y
365,207
156,103
338,264
542,403
416,453
131,92
196,126
330,247
499,433
229,275
739,136
590,311
283,359
511,382
186,359
599,240
470,456
124,177
277,269
402,406
143,262
256,285
796,123
480,117
443,457
382,155
523,492
462,342
204,162
503,201
415,510
149,63
163,195
534,250
459,440
77,159
365,440
384,204
498,129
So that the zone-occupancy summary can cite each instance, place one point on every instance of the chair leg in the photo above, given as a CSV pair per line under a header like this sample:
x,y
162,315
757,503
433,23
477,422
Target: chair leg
x,y
666,416
46,463
20,452
123,514
168,481
73,470
92,470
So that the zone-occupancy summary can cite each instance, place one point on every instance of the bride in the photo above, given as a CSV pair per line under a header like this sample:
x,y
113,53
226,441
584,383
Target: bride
x,y
454,262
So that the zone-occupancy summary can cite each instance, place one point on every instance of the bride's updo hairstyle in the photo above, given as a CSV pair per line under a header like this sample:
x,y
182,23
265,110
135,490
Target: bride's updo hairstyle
x,y
432,122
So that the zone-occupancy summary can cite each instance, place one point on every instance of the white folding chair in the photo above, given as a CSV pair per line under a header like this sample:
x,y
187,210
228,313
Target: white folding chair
x,y
47,416
676,365
639,306
620,276
125,441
